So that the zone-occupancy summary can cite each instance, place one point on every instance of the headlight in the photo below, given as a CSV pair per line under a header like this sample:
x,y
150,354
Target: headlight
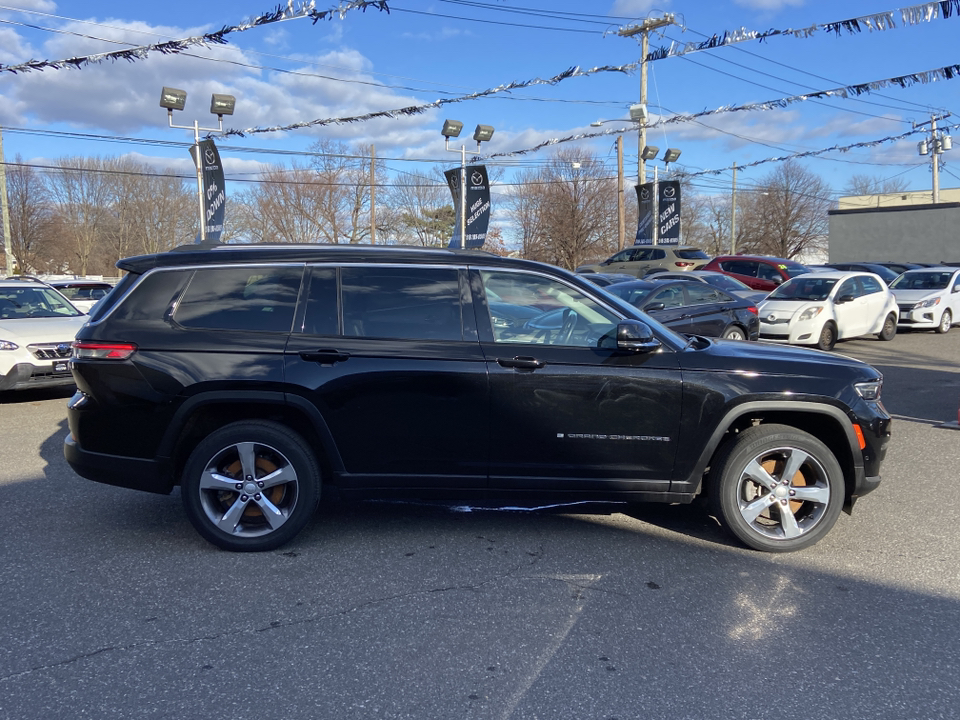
x,y
7,345
931,302
810,313
869,390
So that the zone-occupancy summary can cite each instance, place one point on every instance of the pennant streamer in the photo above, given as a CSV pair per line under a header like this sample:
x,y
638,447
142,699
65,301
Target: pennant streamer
x,y
872,23
945,73
173,47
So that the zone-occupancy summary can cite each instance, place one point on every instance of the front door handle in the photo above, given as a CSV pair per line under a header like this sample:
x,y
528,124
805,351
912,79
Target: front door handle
x,y
324,356
521,362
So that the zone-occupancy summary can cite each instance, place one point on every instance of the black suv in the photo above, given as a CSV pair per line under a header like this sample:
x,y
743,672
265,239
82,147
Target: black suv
x,y
258,377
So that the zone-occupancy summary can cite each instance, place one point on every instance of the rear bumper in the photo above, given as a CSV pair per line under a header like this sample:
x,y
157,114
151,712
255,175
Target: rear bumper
x,y
127,472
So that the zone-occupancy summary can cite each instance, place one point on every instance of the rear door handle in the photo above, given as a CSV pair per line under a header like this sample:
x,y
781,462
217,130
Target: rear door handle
x,y
324,356
521,362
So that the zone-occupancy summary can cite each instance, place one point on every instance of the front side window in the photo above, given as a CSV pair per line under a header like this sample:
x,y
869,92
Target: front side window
x,y
741,267
766,272
408,303
545,311
849,287
247,298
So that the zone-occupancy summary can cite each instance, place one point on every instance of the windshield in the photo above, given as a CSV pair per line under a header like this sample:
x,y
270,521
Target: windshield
x,y
806,287
33,302
939,280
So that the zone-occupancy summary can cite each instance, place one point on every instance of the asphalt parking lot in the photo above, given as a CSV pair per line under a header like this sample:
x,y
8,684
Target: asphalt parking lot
x,y
115,608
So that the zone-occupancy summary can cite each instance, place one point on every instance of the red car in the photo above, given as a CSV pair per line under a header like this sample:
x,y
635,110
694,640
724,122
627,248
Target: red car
x,y
758,271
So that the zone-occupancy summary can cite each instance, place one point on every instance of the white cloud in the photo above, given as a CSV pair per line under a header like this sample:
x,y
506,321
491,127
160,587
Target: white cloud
x,y
635,8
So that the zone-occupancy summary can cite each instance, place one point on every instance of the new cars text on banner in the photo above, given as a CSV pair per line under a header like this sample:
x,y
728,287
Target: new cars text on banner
x,y
478,205
206,157
668,211
645,212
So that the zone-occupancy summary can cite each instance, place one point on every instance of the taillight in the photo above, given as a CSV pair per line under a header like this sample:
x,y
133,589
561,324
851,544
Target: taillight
x,y
684,264
753,309
90,350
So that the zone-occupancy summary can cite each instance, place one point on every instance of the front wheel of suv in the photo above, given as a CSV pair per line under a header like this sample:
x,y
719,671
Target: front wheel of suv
x,y
776,488
251,486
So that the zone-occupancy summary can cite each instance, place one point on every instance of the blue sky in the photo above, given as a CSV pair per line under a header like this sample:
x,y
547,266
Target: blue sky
x,y
424,50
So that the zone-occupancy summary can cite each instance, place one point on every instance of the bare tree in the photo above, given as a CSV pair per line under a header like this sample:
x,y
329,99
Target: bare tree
x,y
788,214
343,174
286,206
862,184
30,217
566,212
423,209
81,195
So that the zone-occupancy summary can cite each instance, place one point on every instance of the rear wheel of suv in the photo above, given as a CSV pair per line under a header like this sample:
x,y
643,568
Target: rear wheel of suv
x,y
776,488
251,486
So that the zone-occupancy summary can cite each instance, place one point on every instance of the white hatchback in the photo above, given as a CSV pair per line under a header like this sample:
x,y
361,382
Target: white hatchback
x,y
929,298
37,328
820,308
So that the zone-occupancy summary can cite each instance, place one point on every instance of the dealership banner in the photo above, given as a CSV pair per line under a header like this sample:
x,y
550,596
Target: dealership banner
x,y
207,159
478,205
668,212
667,209
645,207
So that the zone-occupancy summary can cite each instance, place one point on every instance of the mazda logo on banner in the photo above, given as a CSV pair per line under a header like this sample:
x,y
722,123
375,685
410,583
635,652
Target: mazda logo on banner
x,y
645,212
478,205
207,159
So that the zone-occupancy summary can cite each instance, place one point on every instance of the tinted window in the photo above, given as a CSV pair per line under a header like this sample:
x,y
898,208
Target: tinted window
x,y
403,303
641,253
870,285
321,316
657,254
260,299
766,272
702,293
741,267
692,254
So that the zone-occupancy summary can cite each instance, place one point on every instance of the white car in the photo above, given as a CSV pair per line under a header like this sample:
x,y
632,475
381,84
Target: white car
x,y
821,307
82,294
37,328
929,298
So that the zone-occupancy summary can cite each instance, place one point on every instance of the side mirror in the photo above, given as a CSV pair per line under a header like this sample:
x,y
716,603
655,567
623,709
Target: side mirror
x,y
654,306
844,299
636,336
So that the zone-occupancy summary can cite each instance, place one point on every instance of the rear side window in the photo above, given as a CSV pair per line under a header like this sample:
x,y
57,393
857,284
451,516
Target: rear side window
x,y
700,293
402,303
250,298
870,285
740,267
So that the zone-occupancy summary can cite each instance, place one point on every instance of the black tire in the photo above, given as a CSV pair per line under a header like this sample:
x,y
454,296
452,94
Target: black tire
x,y
251,486
946,320
889,330
828,336
734,332
765,511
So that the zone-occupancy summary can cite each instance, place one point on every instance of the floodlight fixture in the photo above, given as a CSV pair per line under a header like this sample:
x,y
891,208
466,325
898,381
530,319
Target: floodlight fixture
x,y
638,112
222,104
451,128
172,98
649,152
671,155
483,133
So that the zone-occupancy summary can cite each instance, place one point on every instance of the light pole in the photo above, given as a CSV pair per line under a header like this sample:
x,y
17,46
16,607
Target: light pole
x,y
669,155
220,105
452,128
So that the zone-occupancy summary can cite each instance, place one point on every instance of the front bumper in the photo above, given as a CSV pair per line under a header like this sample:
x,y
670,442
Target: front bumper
x,y
794,333
921,318
24,376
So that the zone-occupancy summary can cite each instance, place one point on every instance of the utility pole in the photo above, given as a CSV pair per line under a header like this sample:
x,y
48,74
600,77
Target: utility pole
x,y
621,223
7,246
643,29
733,214
935,146
373,195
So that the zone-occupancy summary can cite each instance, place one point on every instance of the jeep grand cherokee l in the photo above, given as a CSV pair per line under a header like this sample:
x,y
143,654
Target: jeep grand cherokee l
x,y
260,378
